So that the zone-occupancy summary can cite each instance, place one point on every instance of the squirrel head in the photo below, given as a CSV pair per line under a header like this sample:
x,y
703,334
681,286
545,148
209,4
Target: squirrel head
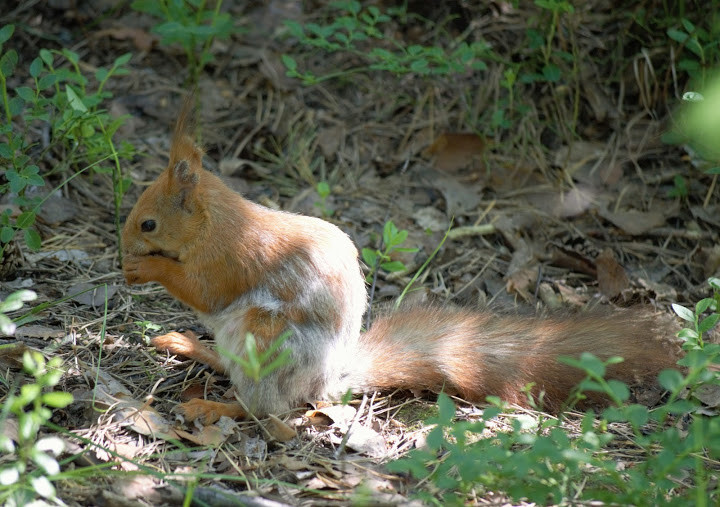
x,y
170,214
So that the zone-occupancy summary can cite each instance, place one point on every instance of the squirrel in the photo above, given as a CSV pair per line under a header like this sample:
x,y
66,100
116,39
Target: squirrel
x,y
245,268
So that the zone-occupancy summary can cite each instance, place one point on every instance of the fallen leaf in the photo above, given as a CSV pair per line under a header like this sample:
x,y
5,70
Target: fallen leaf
x,y
11,355
341,414
89,294
454,151
430,218
708,394
460,198
632,221
366,440
207,435
611,276
279,430
142,418
142,40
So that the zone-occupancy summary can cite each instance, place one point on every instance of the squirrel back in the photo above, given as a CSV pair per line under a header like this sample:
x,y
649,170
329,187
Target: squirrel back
x,y
248,269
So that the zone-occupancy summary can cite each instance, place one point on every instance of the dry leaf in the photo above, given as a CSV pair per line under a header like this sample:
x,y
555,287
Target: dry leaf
x,y
211,435
279,430
611,276
453,151
708,394
633,221
89,294
574,261
142,418
142,40
366,440
193,391
11,355
460,198
339,414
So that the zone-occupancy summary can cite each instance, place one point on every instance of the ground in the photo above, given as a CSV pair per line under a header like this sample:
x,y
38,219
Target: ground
x,y
562,194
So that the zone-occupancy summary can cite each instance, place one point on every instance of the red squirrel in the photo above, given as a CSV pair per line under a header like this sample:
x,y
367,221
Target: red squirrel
x,y
245,268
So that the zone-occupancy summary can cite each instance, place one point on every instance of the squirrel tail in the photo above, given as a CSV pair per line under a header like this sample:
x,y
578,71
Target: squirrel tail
x,y
477,354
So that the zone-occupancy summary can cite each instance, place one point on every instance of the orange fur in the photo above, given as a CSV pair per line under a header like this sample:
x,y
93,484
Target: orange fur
x,y
246,268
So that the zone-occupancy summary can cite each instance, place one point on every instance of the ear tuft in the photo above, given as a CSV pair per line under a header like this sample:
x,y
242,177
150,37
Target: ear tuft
x,y
184,175
183,145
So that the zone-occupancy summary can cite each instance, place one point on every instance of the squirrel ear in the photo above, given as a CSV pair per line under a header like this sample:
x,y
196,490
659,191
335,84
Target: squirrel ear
x,y
185,180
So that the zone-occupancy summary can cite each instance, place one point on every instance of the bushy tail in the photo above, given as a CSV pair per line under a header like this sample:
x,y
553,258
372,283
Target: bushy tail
x,y
476,354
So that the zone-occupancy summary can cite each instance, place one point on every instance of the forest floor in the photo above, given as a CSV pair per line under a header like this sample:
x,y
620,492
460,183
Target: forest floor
x,y
563,195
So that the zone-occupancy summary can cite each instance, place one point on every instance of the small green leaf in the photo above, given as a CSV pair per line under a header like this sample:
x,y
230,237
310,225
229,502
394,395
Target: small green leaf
x,y
671,380
47,57
26,93
36,67
47,81
17,105
6,234
32,239
5,151
25,219
703,305
6,32
708,323
677,35
57,399
72,56
369,256
74,100
683,313
122,60
393,266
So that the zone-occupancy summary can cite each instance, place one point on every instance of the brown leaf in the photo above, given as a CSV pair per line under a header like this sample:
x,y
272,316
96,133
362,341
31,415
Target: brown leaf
x,y
633,221
143,419
454,151
142,40
208,435
708,394
611,276
279,430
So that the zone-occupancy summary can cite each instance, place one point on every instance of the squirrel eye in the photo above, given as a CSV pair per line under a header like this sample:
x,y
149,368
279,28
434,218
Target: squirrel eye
x,y
147,226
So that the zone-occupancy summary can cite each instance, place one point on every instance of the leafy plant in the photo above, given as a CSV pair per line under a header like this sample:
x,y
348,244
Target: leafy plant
x,y
59,96
29,461
192,25
703,50
11,303
381,259
351,25
323,190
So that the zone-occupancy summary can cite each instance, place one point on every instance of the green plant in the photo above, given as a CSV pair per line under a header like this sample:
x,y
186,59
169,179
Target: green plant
x,y
11,303
323,190
351,25
29,461
192,25
703,49
145,326
80,131
381,259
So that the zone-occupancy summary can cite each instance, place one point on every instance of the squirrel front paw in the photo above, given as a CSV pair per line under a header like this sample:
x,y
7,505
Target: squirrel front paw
x,y
139,268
